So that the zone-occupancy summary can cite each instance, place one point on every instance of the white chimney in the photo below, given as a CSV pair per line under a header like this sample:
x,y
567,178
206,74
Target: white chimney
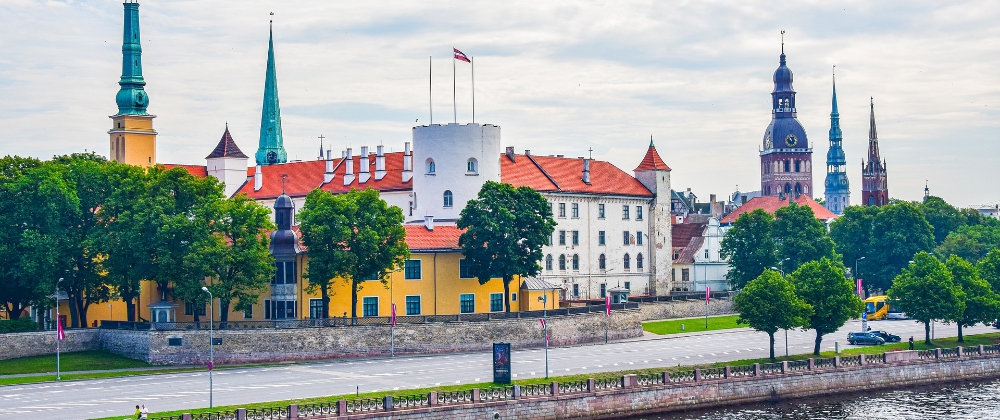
x,y
586,171
258,179
328,176
407,163
429,223
379,163
364,172
349,175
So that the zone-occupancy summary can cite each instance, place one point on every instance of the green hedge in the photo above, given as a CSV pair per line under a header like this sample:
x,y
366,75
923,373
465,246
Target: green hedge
x,y
20,325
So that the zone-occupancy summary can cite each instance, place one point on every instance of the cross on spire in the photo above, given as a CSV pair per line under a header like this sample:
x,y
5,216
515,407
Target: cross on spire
x,y
321,146
591,151
782,40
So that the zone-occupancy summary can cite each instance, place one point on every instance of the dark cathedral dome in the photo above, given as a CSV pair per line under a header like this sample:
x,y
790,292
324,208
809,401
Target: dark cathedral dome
x,y
785,133
782,76
284,241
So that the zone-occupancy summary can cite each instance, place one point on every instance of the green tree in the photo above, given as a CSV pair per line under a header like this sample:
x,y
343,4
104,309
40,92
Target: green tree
x,y
971,242
898,232
800,236
989,269
982,304
324,222
505,229
944,217
823,286
926,291
852,234
748,247
370,243
237,254
769,303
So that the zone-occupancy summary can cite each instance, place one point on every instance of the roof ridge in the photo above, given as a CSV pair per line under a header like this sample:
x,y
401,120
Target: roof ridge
x,y
544,172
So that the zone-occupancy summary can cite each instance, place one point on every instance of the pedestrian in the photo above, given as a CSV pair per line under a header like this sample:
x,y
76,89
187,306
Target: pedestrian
x,y
144,413
911,342
138,412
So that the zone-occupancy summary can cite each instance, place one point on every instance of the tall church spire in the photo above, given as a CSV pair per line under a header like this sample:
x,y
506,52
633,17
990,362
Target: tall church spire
x,y
272,146
131,98
875,188
837,193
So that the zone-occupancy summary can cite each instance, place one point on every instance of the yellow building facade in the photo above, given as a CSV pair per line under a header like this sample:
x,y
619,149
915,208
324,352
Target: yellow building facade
x,y
133,139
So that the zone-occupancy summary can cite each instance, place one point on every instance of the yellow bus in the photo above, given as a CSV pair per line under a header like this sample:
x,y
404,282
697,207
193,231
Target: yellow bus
x,y
880,307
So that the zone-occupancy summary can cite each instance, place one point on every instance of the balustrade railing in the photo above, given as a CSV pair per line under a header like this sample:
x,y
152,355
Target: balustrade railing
x,y
682,376
573,386
647,379
608,383
411,401
536,390
365,405
713,373
741,371
305,410
497,393
455,397
770,368
798,365
825,363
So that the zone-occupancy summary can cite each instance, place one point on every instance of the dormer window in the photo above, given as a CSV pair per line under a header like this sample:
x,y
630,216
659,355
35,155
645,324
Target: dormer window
x,y
431,167
472,166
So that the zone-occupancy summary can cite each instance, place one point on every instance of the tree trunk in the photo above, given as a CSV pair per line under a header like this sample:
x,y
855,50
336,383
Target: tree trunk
x,y
223,313
84,305
74,315
927,333
770,335
325,294
354,298
819,340
961,339
130,309
14,312
506,293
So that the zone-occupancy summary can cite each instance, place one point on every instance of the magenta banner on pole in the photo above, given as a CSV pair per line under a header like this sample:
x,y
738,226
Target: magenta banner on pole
x,y
708,294
607,305
393,314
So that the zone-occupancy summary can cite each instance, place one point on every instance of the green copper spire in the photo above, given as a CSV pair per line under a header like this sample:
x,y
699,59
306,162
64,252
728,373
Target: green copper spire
x,y
272,146
131,98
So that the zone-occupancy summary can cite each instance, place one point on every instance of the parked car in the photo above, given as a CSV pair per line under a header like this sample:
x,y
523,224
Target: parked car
x,y
896,315
996,324
889,338
864,338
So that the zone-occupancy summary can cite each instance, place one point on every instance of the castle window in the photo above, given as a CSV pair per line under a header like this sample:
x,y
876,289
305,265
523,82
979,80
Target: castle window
x,y
602,262
600,211
627,262
562,263
638,262
431,167
576,262
548,262
575,208
471,166
449,199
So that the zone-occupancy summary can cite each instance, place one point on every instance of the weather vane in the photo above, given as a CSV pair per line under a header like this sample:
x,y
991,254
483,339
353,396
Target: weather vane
x,y
782,40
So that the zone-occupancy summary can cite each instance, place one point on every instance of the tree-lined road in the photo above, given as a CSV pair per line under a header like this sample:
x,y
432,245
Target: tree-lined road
x,y
107,397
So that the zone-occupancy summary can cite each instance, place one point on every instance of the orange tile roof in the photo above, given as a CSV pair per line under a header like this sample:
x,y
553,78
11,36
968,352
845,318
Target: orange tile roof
x,y
306,176
443,237
559,174
772,203
393,180
652,161
196,170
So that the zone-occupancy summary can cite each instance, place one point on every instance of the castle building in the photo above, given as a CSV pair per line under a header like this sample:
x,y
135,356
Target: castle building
x,y
614,228
874,179
133,139
786,158
838,191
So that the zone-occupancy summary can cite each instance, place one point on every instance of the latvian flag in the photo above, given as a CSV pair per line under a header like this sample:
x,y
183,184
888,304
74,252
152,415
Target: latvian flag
x,y
543,329
60,333
460,55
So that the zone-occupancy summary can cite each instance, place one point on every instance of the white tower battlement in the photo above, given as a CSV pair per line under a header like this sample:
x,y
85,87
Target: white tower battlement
x,y
450,164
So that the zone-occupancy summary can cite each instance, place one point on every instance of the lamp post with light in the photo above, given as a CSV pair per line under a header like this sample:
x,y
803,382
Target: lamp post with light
x,y
211,341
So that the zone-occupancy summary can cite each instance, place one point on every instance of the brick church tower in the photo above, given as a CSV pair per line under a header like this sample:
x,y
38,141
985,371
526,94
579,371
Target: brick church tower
x,y
874,183
786,158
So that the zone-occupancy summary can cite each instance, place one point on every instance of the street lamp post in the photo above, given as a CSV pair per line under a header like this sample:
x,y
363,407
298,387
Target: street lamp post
x,y
545,329
58,328
211,342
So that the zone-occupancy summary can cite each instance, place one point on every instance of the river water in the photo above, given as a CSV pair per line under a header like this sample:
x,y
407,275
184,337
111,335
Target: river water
x,y
972,400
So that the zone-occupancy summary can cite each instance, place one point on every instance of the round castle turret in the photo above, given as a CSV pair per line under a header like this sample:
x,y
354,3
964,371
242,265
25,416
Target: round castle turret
x,y
450,164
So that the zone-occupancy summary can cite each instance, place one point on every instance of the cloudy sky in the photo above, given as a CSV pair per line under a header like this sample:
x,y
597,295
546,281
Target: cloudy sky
x,y
559,77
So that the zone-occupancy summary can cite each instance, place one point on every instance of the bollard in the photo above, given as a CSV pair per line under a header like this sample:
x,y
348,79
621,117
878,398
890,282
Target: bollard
x,y
590,385
517,389
836,347
241,414
937,353
630,381
960,352
554,388
341,407
665,378
812,363
726,372
432,398
186,416
784,366
697,375
293,411
756,369
836,361
387,402
475,395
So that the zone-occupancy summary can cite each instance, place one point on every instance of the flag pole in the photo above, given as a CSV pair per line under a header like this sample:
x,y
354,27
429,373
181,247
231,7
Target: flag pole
x,y
472,60
454,90
430,86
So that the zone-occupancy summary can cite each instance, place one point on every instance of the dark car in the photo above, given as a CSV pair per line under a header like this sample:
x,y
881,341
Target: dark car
x,y
889,338
864,338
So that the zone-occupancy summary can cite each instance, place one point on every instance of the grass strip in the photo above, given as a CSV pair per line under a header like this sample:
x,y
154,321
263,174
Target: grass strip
x,y
677,326
75,361
970,340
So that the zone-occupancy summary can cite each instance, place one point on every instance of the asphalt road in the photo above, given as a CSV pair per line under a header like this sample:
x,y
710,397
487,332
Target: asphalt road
x,y
107,397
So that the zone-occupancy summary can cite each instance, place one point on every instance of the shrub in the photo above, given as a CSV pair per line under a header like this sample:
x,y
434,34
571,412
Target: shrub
x,y
20,325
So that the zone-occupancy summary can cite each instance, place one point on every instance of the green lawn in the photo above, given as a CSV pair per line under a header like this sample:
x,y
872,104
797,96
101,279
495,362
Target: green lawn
x,y
68,362
970,340
673,326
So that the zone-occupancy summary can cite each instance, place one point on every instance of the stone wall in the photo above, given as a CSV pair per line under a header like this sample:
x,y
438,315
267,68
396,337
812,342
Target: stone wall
x,y
632,399
684,308
271,345
44,342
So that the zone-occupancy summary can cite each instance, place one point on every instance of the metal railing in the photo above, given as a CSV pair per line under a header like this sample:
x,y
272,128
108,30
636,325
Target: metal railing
x,y
713,373
608,383
825,363
365,405
682,376
455,397
949,352
871,359
305,410
217,415
411,401
770,368
994,349
573,386
536,390
741,371
851,361
926,354
647,379
798,365
970,350
496,393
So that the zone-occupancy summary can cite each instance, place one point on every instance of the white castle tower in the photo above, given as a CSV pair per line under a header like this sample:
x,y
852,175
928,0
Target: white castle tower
x,y
450,164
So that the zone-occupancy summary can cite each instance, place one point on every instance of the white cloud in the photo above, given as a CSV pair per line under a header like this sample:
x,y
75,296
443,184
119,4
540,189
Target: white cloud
x,y
558,76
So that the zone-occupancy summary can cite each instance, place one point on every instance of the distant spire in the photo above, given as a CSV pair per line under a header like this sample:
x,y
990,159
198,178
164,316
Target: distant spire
x,y
321,146
782,42
650,140
271,149
132,98
872,132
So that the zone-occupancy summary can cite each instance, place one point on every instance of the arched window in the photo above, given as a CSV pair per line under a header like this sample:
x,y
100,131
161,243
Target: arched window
x,y
548,262
431,167
871,200
638,261
601,262
788,165
627,262
562,263
798,165
788,188
798,188
576,262
472,166
448,199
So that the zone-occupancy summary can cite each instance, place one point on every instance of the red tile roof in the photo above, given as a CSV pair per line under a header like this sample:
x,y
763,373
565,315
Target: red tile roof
x,y
556,174
196,170
682,233
443,237
304,177
393,180
652,161
772,203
